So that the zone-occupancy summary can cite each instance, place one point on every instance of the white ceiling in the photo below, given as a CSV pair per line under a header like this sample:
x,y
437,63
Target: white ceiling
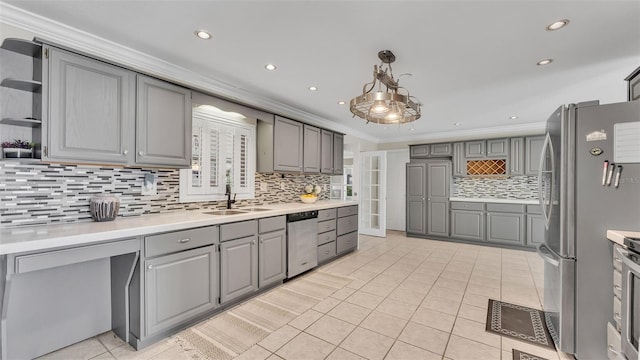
x,y
472,62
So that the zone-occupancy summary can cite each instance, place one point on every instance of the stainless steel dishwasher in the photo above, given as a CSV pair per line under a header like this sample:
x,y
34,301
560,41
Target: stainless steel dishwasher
x,y
302,242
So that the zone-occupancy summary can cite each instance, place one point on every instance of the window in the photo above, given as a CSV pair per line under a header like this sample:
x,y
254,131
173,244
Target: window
x,y
223,152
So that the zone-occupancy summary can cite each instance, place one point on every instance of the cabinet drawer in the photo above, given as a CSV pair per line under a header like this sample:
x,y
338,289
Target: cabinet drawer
x,y
238,230
617,313
180,240
347,211
511,208
347,224
534,209
346,242
326,237
460,205
326,214
324,226
617,284
272,224
614,345
326,251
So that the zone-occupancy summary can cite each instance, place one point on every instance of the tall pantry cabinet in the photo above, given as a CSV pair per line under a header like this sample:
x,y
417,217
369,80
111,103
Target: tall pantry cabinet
x,y
428,198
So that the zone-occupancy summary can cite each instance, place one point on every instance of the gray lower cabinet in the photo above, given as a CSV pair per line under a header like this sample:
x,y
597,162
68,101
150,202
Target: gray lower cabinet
x,y
287,145
163,124
338,154
311,156
467,225
347,229
535,226
180,286
505,228
91,113
238,268
533,150
459,162
516,157
326,151
272,257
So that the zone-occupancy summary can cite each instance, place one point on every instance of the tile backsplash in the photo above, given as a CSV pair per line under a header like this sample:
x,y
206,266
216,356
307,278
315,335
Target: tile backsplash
x,y
33,193
514,187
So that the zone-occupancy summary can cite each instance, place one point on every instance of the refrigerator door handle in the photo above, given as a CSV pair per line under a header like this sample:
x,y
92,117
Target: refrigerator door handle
x,y
547,255
546,146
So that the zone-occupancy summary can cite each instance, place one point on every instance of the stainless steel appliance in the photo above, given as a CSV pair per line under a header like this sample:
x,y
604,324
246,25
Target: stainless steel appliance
x,y
302,242
631,298
589,182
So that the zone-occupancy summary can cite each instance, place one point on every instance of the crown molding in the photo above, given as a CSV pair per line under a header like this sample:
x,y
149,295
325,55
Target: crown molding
x,y
472,134
57,33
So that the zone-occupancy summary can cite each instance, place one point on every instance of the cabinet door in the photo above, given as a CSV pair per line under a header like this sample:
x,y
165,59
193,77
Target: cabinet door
x,y
505,228
287,145
440,150
497,147
459,162
238,268
163,124
179,287
438,198
533,150
272,256
467,225
416,198
516,156
535,230
91,110
338,154
311,157
419,151
474,149
326,152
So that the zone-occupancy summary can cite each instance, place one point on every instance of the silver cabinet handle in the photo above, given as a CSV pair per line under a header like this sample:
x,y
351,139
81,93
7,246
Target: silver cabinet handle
x,y
617,316
182,241
149,267
261,241
253,241
617,287
140,153
125,151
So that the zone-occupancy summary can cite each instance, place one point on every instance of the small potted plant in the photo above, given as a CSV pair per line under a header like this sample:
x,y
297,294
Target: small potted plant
x,y
17,149
311,193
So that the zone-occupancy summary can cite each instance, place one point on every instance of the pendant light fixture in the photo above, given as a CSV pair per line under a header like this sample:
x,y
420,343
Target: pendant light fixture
x,y
385,104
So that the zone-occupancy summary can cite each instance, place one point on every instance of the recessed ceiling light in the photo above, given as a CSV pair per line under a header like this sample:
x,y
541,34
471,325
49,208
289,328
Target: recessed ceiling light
x,y
558,25
457,124
341,103
412,129
544,62
313,88
513,117
203,34
270,67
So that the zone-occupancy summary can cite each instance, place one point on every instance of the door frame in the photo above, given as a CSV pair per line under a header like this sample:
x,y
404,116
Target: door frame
x,y
381,230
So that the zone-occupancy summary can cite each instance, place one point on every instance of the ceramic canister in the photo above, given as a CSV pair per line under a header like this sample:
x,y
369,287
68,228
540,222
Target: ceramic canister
x,y
104,207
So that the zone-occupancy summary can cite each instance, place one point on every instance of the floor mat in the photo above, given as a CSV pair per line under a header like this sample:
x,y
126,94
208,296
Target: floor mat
x,y
518,322
521,355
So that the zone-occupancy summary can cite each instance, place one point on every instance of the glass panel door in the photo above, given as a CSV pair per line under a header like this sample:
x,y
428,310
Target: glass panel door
x,y
373,193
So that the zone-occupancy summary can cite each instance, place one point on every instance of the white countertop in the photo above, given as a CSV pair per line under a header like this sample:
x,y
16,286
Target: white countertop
x,y
617,236
494,200
34,238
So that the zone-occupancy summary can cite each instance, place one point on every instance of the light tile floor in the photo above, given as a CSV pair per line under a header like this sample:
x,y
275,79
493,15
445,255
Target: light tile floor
x,y
394,298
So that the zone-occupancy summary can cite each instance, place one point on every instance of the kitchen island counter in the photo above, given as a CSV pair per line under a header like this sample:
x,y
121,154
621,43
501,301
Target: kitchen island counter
x,y
617,236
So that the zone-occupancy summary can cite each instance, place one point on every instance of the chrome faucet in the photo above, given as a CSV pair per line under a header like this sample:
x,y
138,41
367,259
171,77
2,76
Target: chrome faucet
x,y
228,193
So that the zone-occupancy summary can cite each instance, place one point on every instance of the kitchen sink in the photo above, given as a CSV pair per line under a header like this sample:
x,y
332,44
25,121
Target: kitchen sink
x,y
225,212
257,209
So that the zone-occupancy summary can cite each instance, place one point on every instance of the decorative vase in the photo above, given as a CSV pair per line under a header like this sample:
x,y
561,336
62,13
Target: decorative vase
x,y
104,207
308,200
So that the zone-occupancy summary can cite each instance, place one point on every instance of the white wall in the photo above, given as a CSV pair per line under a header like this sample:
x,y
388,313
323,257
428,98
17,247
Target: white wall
x,y
396,188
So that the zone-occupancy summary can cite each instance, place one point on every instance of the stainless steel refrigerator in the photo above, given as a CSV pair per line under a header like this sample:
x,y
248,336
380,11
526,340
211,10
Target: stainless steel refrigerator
x,y
589,182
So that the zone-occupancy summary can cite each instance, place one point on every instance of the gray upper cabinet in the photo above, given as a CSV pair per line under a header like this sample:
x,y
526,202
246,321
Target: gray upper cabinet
x,y
326,158
533,150
180,286
416,199
272,255
91,110
419,151
475,149
238,268
338,154
311,149
163,126
498,148
287,145
436,150
438,175
459,162
516,156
